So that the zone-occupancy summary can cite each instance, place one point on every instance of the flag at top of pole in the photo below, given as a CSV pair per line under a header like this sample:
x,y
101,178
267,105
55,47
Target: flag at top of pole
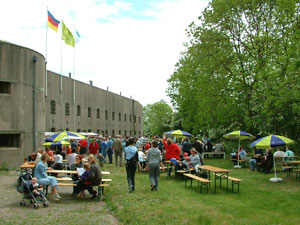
x,y
66,35
52,22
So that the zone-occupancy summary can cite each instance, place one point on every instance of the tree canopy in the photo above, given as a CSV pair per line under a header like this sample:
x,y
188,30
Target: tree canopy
x,y
240,69
157,118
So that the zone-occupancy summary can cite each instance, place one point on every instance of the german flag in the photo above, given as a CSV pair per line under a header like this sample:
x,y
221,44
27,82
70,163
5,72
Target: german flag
x,y
52,22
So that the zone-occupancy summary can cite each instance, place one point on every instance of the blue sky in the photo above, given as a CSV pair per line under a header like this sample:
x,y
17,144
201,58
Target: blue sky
x,y
130,46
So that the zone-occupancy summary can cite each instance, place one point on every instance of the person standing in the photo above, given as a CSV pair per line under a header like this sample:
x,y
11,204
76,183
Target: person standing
x,y
154,160
131,160
109,150
83,147
186,146
117,148
93,147
103,147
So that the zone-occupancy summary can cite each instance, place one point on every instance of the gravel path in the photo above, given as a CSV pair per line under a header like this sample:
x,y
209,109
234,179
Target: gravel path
x,y
69,211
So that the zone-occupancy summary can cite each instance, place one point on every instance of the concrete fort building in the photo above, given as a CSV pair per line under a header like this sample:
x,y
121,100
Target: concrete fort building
x,y
33,102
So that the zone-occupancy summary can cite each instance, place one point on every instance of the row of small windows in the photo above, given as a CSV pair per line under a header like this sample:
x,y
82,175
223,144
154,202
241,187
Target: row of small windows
x,y
67,112
113,133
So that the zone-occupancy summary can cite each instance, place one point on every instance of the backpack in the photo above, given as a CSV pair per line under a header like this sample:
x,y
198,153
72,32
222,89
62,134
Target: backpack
x,y
133,160
95,176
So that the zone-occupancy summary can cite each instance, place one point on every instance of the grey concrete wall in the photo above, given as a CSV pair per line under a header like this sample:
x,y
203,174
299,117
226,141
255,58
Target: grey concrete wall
x,y
88,96
16,113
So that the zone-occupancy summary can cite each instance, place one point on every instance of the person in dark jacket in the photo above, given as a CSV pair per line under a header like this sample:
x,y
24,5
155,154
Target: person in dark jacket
x,y
267,164
198,145
186,146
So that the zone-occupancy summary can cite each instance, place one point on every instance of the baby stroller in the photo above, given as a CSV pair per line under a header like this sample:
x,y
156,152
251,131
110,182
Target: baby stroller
x,y
24,184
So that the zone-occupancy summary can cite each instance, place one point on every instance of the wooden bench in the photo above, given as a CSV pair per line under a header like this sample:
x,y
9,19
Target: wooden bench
x,y
288,170
100,187
204,182
179,173
233,180
213,154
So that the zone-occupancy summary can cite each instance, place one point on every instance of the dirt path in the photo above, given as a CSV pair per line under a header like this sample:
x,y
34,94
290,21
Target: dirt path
x,y
69,211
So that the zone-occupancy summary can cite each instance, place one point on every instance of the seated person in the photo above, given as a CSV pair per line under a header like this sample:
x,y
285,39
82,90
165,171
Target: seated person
x,y
288,154
78,164
242,153
101,159
142,157
58,163
72,157
267,163
279,153
35,188
83,179
256,158
195,159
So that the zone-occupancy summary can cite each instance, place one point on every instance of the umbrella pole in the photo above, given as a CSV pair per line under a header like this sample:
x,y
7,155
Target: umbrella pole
x,y
275,179
238,157
274,166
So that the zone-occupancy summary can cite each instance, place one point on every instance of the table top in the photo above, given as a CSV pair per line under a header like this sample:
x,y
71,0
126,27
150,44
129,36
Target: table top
x,y
214,169
295,156
73,171
294,162
213,152
27,165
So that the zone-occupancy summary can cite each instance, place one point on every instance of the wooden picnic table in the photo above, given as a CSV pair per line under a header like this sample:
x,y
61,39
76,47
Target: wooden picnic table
x,y
215,170
27,165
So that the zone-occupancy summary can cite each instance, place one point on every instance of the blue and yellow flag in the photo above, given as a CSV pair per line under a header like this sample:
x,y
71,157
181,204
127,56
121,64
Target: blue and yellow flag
x,y
66,35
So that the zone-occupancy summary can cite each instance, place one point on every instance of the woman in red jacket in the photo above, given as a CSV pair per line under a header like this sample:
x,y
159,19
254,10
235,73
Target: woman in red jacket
x,y
172,151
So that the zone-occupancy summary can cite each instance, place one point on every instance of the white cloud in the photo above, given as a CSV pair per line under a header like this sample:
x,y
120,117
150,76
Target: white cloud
x,y
131,55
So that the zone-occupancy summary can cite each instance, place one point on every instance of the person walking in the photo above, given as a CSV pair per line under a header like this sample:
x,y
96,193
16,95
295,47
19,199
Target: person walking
x,y
154,161
131,160
117,148
109,150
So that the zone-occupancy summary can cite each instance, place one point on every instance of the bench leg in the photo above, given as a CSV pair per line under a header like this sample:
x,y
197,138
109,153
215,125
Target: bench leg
x,y
99,193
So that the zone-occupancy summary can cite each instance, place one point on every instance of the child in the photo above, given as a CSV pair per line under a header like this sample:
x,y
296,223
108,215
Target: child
x,y
83,180
101,159
35,188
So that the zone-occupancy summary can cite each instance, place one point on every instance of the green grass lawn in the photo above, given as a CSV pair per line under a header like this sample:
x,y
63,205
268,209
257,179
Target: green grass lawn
x,y
258,202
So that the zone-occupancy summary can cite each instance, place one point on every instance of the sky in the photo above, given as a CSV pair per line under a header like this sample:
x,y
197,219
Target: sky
x,y
129,46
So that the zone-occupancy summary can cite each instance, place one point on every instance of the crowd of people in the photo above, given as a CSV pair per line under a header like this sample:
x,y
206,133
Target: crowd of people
x,y
138,153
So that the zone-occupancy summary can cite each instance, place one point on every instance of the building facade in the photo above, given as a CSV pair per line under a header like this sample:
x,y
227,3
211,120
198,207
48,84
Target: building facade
x,y
34,101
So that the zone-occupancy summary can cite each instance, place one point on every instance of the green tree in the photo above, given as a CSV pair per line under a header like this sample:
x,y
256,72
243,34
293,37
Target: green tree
x,y
240,69
157,118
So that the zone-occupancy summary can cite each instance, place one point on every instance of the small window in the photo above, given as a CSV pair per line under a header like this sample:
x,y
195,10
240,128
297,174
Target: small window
x,y
113,116
120,132
98,131
67,109
5,87
130,120
89,130
10,140
139,119
89,112
134,133
52,107
53,129
113,133
134,119
139,133
78,130
67,129
124,117
125,133
106,132
119,116
106,115
98,113
78,110
130,133
102,133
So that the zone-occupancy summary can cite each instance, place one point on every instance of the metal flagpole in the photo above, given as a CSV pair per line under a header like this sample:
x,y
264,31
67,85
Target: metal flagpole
x,y
61,58
46,74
